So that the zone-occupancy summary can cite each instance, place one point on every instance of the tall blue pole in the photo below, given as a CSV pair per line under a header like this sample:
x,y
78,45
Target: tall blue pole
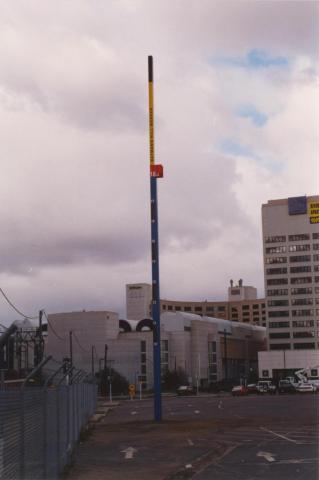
x,y
156,171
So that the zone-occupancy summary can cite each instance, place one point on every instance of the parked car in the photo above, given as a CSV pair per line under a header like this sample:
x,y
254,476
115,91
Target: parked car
x,y
285,386
252,388
266,386
306,388
239,390
186,390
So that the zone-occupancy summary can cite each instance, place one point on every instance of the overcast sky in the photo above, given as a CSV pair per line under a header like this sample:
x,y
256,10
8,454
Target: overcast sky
x,y
236,124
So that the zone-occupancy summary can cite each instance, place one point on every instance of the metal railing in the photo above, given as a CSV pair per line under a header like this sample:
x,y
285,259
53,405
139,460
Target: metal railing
x,y
40,424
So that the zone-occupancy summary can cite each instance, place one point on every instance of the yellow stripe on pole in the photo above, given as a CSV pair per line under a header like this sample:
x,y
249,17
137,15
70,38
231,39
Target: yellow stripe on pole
x,y
151,121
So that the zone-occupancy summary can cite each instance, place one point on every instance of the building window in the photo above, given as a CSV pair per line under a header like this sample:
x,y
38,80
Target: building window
x,y
275,238
279,313
302,269
279,346
316,289
235,291
316,279
277,281
277,292
316,268
209,309
279,324
304,346
278,303
314,372
278,249
300,258
301,291
169,307
316,258
245,307
221,308
302,301
299,280
299,248
198,309
187,309
302,313
297,238
315,236
164,307
302,323
272,260
303,334
276,271
316,246
212,362
279,335
177,308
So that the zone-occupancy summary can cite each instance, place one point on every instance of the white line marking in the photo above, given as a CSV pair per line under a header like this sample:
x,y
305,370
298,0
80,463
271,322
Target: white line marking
x,y
134,413
129,452
278,435
190,443
267,455
196,411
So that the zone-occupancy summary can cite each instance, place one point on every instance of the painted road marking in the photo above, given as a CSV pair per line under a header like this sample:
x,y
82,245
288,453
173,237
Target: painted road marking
x,y
196,411
279,435
134,413
129,452
190,443
267,455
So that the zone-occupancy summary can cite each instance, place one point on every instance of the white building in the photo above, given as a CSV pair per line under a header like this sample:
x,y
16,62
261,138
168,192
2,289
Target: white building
x,y
207,349
138,301
291,271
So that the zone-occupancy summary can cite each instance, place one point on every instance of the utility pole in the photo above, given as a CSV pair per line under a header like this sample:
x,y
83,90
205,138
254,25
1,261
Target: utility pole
x,y
225,354
156,171
92,360
71,354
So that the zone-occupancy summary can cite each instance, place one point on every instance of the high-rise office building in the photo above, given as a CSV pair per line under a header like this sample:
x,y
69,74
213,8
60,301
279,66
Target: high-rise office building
x,y
291,269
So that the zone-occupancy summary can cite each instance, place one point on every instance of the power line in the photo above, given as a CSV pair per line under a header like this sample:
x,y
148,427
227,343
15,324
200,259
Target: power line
x,y
77,341
15,308
53,330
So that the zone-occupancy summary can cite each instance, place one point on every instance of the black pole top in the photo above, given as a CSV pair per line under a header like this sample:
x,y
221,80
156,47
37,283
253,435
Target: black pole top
x,y
150,68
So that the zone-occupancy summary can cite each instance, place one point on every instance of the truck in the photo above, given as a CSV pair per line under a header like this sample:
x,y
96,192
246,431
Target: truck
x,y
266,386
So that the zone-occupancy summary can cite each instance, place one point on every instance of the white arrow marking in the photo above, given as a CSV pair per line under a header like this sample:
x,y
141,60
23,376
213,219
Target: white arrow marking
x,y
134,413
267,455
220,405
190,443
196,411
129,452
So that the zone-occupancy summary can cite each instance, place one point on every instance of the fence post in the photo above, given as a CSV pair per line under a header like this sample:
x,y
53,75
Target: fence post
x,y
22,449
45,433
58,430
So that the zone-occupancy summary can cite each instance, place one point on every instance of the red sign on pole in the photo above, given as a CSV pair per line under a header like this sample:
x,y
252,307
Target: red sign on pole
x,y
157,170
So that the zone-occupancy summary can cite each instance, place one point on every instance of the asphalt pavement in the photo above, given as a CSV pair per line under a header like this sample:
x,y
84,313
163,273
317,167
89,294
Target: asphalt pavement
x,y
205,437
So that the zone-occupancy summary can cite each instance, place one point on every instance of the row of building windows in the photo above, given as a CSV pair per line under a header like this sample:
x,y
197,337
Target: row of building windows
x,y
293,280
303,334
295,324
276,292
292,248
296,346
295,313
282,271
292,259
294,301
291,238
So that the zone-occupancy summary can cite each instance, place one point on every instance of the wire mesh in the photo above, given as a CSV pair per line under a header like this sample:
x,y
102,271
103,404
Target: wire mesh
x,y
39,427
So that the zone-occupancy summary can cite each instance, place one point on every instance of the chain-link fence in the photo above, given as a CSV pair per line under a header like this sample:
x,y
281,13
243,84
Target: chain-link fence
x,y
40,424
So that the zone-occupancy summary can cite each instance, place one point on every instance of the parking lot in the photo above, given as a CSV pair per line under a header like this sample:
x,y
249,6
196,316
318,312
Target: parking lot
x,y
204,437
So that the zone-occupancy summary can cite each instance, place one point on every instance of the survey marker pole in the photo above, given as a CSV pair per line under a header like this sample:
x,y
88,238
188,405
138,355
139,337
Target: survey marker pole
x,y
156,171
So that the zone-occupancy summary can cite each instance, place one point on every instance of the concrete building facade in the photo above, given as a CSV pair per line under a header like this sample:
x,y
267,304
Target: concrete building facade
x,y
291,271
242,304
207,349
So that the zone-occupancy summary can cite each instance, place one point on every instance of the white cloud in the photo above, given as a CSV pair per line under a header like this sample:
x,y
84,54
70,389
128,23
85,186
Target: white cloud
x,y
74,186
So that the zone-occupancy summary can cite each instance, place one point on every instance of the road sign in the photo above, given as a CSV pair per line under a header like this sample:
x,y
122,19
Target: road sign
x,y
131,389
